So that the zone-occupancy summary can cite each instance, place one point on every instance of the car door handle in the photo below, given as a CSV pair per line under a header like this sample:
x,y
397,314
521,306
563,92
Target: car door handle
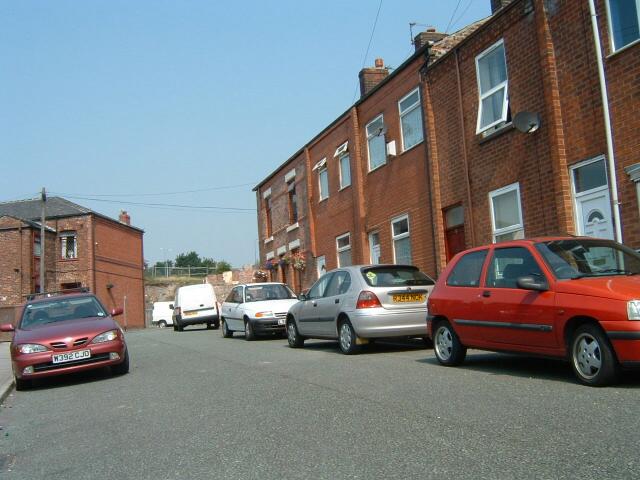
x,y
486,293
337,300
315,304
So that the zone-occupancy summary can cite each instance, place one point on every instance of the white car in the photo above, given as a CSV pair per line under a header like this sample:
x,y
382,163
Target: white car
x,y
257,308
162,314
195,304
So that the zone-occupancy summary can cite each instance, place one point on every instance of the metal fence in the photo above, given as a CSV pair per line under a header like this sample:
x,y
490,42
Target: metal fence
x,y
165,271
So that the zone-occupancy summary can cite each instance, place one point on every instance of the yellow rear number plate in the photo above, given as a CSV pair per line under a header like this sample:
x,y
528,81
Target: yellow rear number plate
x,y
408,298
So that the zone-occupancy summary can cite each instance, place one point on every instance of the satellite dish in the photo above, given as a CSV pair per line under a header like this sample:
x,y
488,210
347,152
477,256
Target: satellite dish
x,y
527,122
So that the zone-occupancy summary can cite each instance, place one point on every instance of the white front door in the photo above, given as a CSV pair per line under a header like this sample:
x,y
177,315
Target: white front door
x,y
591,199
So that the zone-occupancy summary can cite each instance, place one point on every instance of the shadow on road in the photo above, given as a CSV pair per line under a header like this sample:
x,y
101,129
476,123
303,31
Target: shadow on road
x,y
375,347
71,379
529,367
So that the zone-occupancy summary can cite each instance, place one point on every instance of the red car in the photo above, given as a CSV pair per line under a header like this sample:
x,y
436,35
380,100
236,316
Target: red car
x,y
65,334
567,297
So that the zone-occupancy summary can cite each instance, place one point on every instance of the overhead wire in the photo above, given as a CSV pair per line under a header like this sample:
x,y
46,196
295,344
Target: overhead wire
x,y
373,30
210,189
167,205
462,14
446,30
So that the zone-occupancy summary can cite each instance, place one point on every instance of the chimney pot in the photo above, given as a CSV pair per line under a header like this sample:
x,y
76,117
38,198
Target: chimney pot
x,y
124,217
370,77
379,63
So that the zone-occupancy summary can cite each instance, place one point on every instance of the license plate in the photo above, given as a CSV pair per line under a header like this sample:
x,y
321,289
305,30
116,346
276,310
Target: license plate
x,y
281,321
71,356
408,298
190,314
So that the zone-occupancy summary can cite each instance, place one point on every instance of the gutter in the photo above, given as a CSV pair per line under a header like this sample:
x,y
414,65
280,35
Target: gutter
x,y
611,161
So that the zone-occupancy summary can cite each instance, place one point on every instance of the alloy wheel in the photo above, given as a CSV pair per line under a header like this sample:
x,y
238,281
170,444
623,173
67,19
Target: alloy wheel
x,y
587,355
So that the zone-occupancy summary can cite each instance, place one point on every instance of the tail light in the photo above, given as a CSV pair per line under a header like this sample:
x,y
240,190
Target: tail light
x,y
368,300
177,311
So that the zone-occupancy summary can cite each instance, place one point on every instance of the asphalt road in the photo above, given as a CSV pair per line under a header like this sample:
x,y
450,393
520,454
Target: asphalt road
x,y
197,406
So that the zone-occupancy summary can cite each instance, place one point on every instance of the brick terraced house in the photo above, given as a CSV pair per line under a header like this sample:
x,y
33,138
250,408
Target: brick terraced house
x,y
495,132
82,249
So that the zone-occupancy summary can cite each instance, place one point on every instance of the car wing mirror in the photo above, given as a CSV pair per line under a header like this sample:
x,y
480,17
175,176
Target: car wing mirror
x,y
6,327
302,297
530,282
117,311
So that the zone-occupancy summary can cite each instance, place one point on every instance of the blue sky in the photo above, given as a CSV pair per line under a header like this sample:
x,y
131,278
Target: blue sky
x,y
107,101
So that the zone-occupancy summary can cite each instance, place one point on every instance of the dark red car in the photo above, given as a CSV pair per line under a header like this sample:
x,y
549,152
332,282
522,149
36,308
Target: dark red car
x,y
566,297
65,334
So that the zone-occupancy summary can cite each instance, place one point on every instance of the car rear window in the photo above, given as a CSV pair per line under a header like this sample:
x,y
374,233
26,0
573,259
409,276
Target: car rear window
x,y
395,276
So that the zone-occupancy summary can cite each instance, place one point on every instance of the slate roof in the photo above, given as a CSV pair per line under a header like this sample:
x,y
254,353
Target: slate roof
x,y
30,209
57,207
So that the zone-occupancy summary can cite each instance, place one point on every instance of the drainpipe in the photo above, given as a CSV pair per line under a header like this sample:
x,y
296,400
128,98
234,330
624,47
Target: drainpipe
x,y
613,178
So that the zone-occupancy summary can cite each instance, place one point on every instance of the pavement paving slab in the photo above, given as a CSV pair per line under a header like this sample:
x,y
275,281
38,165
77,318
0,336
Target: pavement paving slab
x,y
6,376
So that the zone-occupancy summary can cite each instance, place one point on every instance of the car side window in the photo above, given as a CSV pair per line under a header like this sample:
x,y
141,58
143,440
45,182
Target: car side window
x,y
319,288
231,298
466,273
339,284
508,264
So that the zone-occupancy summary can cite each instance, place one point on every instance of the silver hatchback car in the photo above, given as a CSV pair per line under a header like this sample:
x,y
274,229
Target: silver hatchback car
x,y
361,302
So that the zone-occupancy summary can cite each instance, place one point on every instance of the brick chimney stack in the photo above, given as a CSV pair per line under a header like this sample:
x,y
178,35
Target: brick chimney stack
x,y
429,36
371,77
498,4
124,217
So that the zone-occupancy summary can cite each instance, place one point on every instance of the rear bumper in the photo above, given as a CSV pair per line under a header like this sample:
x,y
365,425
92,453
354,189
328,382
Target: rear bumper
x,y
379,323
184,321
44,367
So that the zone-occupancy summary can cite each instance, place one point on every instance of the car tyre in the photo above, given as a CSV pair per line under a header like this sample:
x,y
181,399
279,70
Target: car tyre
x,y
226,333
21,384
216,325
123,367
249,333
162,324
592,357
347,338
294,338
446,345
208,326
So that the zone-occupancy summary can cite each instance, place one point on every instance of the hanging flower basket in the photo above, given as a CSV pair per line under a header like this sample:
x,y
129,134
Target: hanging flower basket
x,y
271,264
260,276
298,261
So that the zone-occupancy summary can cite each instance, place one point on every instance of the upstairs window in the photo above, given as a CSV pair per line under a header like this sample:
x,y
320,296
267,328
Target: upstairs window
x,y
293,203
267,217
376,143
410,120
491,69
343,244
345,171
69,245
624,22
323,179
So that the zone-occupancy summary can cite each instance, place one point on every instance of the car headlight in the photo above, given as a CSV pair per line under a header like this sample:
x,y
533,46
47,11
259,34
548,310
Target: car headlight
x,y
31,348
633,309
264,314
106,337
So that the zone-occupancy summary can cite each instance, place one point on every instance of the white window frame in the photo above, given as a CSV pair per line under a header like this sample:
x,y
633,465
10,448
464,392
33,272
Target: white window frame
x,y
322,171
370,136
513,228
339,249
321,262
64,236
504,85
402,236
371,234
417,105
340,159
614,47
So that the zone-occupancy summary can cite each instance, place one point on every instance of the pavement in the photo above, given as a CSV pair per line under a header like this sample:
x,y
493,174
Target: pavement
x,y
6,376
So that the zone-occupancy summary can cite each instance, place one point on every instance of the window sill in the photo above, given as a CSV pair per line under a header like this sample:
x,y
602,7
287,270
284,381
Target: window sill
x,y
622,49
412,147
377,168
292,227
507,127
322,199
68,259
344,188
267,240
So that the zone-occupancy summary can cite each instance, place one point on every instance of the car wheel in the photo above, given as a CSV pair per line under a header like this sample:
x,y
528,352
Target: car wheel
x,y
249,334
162,324
216,325
293,336
592,357
226,333
123,367
21,384
446,345
347,338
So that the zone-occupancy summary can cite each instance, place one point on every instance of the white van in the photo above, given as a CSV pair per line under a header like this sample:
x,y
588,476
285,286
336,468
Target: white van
x,y
195,304
162,314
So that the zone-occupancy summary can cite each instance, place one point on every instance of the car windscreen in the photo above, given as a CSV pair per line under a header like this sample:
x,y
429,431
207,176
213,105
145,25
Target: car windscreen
x,y
579,257
395,276
259,293
59,310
